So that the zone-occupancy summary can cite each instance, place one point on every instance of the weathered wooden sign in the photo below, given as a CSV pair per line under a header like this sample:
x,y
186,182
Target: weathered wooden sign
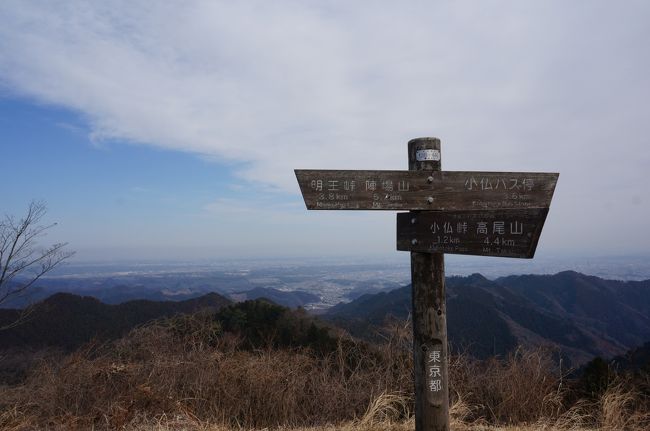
x,y
480,213
424,190
503,233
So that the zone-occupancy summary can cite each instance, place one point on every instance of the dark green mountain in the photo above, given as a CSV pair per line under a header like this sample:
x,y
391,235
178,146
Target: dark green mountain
x,y
68,321
615,311
260,324
291,299
582,315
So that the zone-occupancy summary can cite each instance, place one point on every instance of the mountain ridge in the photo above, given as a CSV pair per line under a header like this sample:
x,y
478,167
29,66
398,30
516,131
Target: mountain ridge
x,y
582,315
68,321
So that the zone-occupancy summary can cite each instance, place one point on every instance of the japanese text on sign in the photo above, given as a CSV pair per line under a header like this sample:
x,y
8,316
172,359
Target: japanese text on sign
x,y
434,371
510,233
419,190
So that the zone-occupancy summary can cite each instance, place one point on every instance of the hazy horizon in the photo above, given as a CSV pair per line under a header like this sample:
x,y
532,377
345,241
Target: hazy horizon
x,y
609,267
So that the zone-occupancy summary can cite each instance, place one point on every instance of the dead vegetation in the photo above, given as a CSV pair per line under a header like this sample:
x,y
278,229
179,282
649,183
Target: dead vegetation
x,y
187,373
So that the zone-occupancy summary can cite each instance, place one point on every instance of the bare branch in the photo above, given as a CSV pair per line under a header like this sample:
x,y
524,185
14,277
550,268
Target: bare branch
x,y
44,256
23,316
19,255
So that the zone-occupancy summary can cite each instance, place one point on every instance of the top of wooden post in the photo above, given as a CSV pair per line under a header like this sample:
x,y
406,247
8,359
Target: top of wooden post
x,y
424,154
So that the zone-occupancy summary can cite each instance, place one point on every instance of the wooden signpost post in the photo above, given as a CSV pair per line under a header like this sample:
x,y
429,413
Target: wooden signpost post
x,y
478,213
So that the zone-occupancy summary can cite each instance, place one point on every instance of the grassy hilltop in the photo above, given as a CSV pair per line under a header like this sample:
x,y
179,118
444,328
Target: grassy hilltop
x,y
256,365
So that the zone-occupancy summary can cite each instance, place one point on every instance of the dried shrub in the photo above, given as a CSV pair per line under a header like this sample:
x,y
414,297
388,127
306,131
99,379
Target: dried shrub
x,y
189,373
188,367
523,387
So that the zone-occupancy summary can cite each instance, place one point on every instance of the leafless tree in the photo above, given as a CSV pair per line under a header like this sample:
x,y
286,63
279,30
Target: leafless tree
x,y
22,261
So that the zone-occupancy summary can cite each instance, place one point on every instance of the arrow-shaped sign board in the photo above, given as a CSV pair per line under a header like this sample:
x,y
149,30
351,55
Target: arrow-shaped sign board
x,y
423,190
503,233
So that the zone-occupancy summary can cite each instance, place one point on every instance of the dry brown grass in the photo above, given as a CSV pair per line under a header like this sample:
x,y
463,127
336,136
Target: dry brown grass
x,y
157,372
525,386
187,376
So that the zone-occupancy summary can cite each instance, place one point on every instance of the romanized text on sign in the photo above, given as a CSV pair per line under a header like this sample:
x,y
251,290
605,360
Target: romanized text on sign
x,y
422,190
503,233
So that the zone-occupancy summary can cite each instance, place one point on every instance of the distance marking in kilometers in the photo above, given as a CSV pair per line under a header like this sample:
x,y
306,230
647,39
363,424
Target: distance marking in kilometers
x,y
424,190
503,233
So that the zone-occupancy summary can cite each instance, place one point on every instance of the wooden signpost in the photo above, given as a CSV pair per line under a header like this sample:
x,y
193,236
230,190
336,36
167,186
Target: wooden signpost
x,y
478,213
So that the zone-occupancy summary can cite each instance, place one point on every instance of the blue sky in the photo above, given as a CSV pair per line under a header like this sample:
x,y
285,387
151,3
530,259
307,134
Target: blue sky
x,y
117,200
101,190
173,131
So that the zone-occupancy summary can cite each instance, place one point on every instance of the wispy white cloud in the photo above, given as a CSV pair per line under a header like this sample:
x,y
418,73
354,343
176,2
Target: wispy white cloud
x,y
271,86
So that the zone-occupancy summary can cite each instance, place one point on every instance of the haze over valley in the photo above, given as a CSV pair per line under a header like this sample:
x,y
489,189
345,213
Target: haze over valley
x,y
324,282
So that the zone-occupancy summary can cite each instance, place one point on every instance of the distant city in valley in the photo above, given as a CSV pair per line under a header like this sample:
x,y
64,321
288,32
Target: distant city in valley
x,y
319,284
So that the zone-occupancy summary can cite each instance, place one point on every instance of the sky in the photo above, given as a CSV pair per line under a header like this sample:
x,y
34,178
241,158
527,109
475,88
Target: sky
x,y
170,130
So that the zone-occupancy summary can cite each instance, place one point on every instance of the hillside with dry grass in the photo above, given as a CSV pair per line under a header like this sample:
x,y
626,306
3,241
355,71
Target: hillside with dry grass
x,y
255,365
